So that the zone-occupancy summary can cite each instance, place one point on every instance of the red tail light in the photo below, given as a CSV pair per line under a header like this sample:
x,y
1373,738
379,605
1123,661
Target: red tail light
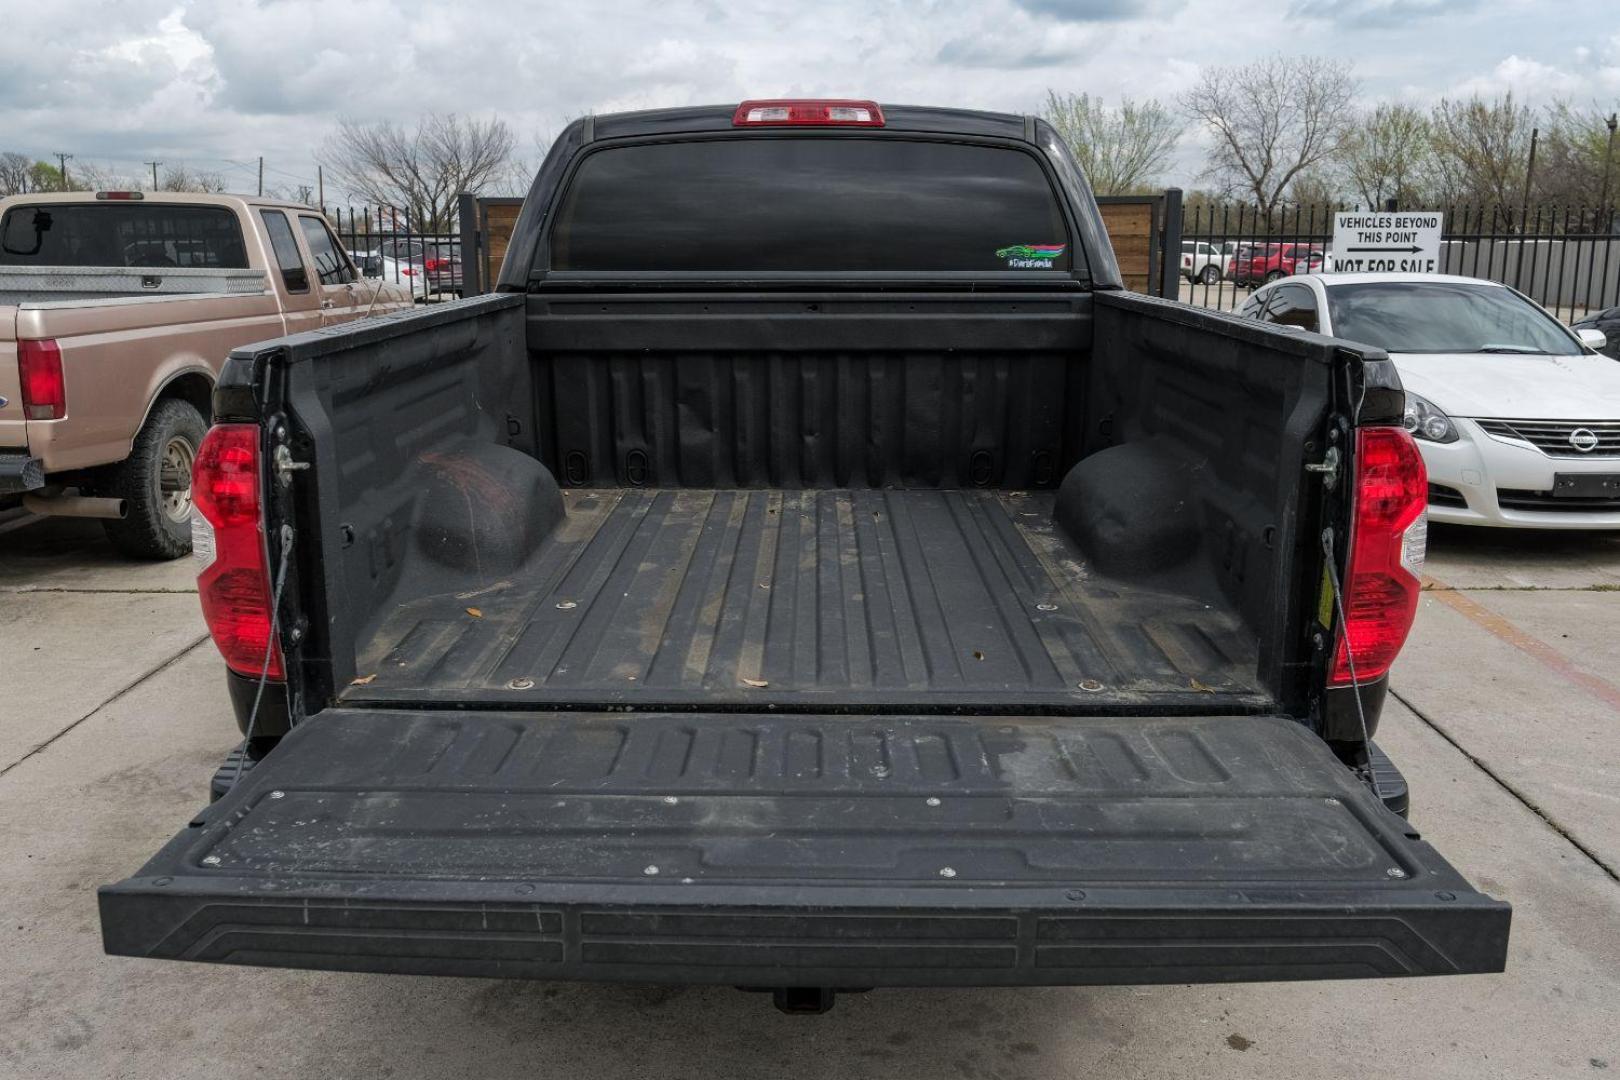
x,y
1386,553
433,266
819,111
44,393
228,535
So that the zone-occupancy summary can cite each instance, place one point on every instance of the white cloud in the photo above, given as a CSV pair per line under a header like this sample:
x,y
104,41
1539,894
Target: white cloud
x,y
1524,78
216,83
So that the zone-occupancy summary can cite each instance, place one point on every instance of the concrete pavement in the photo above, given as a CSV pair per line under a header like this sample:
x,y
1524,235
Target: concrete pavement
x,y
1509,763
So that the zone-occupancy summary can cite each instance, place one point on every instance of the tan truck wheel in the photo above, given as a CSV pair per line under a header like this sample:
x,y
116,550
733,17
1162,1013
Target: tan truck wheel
x,y
155,483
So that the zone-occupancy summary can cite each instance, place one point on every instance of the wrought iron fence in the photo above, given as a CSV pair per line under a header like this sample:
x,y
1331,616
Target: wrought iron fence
x,y
1565,258
383,244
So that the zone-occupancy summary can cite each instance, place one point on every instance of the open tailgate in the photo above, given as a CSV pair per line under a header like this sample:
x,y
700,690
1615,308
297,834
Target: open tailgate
x,y
806,851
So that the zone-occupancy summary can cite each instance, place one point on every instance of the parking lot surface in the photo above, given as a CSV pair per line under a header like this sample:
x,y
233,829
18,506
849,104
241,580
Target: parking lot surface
x,y
113,716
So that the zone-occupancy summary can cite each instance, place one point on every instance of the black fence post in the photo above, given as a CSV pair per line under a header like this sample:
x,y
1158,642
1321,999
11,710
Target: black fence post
x,y
472,264
1170,249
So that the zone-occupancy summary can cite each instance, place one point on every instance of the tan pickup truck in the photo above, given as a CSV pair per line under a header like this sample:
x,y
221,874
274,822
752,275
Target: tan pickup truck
x,y
116,311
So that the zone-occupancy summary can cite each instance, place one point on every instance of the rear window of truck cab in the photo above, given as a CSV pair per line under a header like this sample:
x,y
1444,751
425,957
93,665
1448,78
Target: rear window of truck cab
x,y
807,204
122,234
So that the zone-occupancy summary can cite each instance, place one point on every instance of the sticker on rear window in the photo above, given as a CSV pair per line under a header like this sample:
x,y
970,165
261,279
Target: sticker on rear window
x,y
1030,256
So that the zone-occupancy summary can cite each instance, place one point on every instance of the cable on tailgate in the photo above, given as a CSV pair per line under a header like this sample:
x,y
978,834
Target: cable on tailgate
x,y
1350,660
269,649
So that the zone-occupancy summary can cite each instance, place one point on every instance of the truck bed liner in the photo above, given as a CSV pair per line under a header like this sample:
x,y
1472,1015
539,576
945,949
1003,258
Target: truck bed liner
x,y
808,851
937,600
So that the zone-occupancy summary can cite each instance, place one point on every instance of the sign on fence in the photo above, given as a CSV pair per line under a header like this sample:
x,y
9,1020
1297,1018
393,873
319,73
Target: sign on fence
x,y
1366,242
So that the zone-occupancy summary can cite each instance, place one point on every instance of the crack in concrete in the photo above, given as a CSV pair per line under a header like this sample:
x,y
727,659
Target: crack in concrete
x,y
1602,586
1522,798
23,590
149,673
1509,632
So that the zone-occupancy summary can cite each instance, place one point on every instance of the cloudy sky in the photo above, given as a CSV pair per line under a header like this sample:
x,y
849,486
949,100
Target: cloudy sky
x,y
215,83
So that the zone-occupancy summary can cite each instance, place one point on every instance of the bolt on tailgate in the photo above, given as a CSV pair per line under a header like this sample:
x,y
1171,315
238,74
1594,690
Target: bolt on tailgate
x,y
806,850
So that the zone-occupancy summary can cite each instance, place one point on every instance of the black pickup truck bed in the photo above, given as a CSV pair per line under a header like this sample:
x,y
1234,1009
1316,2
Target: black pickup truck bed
x,y
920,599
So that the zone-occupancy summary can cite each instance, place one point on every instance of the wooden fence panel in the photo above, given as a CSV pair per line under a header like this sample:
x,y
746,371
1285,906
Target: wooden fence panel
x,y
1131,225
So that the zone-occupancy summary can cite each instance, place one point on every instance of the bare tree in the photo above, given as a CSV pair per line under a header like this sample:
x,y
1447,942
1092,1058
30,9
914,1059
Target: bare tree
x,y
1316,189
14,173
1481,149
90,176
180,177
1272,120
418,171
1122,150
1573,150
1387,155
520,169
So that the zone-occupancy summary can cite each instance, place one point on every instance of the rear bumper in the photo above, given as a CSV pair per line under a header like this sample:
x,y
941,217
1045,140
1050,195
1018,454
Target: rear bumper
x,y
806,851
20,472
800,937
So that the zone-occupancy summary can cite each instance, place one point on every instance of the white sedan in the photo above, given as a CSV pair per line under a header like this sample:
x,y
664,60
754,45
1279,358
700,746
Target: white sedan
x,y
1517,416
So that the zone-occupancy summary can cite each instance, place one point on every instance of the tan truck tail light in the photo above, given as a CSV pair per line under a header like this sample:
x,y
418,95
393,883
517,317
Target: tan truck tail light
x,y
228,539
44,391
1386,554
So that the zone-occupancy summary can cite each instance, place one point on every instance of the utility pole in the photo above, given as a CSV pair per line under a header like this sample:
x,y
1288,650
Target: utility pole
x,y
1608,163
261,174
62,160
320,178
154,165
1529,179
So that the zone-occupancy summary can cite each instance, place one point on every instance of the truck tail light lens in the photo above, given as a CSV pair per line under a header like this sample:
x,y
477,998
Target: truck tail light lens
x,y
1386,553
228,539
823,112
44,392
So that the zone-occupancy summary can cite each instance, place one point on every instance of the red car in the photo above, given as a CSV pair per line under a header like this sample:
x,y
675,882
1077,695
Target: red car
x,y
1267,262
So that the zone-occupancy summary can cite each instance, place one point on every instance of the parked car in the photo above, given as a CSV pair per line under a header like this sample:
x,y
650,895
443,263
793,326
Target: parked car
x,y
1268,262
428,268
117,309
786,581
443,265
1518,418
1606,323
368,262
1203,261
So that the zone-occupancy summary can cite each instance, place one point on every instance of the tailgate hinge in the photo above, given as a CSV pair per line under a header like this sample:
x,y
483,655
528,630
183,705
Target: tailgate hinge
x,y
281,460
1328,467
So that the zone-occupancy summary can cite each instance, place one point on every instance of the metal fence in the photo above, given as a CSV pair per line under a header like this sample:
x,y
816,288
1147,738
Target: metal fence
x,y
1565,258
383,244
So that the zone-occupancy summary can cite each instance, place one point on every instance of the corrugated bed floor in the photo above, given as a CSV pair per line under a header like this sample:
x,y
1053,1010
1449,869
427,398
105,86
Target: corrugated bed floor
x,y
923,599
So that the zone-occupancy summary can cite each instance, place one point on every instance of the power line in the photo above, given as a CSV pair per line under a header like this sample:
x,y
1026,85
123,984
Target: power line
x,y
256,168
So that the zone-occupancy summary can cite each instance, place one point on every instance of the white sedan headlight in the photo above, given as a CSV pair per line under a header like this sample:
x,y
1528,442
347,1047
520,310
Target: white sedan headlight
x,y
1426,422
